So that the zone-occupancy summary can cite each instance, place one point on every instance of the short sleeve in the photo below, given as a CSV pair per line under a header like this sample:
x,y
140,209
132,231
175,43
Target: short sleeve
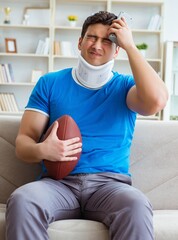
x,y
129,83
39,98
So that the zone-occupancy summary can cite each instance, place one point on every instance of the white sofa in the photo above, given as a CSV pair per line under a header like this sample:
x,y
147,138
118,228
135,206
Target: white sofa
x,y
154,166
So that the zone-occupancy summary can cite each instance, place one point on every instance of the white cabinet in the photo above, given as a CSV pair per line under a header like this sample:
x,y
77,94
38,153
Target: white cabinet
x,y
171,79
59,31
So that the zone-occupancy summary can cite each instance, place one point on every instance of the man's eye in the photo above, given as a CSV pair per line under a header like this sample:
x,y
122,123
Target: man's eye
x,y
91,38
107,41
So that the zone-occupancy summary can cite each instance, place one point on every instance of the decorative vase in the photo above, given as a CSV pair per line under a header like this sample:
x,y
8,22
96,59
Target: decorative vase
x,y
143,52
72,23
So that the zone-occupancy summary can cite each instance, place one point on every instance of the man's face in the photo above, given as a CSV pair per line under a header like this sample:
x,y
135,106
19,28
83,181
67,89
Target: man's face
x,y
95,47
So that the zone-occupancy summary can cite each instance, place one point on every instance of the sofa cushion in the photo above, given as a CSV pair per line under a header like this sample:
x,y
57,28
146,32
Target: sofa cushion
x,y
78,230
165,225
66,229
13,173
154,162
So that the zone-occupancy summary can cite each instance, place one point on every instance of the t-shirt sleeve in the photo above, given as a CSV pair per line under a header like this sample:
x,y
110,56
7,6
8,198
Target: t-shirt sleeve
x,y
39,98
129,83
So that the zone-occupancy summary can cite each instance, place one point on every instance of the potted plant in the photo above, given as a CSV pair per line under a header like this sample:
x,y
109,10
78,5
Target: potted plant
x,y
72,20
142,47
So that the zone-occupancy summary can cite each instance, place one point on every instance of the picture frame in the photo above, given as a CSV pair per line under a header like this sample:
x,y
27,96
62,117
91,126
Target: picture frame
x,y
11,46
36,74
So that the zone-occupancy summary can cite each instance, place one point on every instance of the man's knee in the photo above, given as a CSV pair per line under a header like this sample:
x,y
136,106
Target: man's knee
x,y
18,202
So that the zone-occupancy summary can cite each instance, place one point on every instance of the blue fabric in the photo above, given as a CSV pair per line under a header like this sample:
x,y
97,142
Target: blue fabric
x,y
105,122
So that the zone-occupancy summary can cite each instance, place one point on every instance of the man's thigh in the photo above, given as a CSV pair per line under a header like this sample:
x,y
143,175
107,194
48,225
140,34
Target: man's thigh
x,y
51,196
113,197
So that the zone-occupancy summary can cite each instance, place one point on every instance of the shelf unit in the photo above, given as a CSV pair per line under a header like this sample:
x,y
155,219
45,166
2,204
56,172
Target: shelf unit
x,y
58,29
171,80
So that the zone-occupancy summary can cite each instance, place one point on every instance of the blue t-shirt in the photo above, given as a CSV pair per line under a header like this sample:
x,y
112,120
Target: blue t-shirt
x,y
105,121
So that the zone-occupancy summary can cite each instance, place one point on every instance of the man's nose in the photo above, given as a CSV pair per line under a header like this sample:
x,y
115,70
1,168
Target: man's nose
x,y
98,43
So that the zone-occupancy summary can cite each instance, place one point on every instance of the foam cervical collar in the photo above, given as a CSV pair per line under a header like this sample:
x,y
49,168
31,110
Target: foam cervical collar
x,y
93,77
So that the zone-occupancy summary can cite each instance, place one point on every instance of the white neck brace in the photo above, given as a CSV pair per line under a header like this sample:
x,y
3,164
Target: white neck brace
x,y
93,76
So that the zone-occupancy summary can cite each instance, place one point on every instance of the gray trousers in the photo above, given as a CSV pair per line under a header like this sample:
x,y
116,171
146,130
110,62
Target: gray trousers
x,y
108,198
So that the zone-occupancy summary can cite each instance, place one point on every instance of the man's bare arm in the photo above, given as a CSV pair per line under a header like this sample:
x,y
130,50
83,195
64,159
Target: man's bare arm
x,y
150,94
28,147
31,128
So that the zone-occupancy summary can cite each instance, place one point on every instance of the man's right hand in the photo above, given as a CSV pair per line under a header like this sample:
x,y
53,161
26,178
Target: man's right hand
x,y
60,150
28,147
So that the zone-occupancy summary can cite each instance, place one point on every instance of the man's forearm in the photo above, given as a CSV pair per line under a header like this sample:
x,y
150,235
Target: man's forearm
x,y
28,150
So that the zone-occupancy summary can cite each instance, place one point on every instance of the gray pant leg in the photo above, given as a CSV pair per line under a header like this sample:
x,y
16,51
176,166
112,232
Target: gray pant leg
x,y
33,206
103,197
124,209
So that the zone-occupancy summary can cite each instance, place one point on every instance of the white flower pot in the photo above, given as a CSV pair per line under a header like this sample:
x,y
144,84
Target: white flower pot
x,y
72,23
143,52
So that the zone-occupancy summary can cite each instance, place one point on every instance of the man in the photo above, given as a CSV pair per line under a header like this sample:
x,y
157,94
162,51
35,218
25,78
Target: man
x,y
104,105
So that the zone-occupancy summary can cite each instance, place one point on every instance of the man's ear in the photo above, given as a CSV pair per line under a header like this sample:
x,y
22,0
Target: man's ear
x,y
79,43
116,52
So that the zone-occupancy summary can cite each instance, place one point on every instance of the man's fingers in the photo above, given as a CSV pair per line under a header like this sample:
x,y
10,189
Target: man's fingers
x,y
72,141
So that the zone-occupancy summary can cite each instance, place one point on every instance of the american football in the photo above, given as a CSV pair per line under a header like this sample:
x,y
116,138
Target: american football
x,y
67,129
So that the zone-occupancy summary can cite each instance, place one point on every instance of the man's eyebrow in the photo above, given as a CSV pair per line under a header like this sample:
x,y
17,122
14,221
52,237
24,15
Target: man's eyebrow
x,y
92,35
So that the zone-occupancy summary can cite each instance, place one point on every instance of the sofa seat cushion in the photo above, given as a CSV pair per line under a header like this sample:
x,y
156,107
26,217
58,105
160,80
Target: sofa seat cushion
x,y
66,229
78,230
166,224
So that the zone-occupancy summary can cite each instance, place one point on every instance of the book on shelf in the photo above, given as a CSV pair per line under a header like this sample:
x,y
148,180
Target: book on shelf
x,y
155,22
57,50
8,102
65,48
6,73
11,72
2,103
3,75
46,46
43,46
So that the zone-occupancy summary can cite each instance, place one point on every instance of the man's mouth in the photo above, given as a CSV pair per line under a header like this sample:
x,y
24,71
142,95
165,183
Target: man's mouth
x,y
95,54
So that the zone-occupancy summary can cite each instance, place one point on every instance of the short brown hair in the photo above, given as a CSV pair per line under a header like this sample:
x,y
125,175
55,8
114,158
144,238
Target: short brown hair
x,y
102,17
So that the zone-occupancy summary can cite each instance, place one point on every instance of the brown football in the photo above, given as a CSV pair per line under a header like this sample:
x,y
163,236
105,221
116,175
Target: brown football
x,y
67,129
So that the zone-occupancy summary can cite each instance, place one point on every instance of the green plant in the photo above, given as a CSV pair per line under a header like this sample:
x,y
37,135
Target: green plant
x,y
142,46
72,18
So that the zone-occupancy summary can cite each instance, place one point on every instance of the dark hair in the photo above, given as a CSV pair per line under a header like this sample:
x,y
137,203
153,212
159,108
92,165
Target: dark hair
x,y
102,17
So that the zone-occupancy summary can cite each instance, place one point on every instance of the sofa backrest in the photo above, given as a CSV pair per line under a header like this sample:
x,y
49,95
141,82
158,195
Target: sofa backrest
x,y
13,172
154,161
